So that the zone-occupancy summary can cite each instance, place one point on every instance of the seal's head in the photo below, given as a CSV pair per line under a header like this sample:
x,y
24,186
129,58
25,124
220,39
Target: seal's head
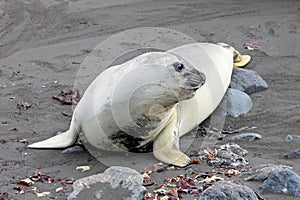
x,y
189,79
171,77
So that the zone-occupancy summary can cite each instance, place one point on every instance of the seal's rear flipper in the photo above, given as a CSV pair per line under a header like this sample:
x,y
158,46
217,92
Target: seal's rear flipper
x,y
234,103
62,140
244,60
239,60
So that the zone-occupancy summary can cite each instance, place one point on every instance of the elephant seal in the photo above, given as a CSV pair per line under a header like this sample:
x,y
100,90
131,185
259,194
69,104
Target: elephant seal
x,y
150,101
127,106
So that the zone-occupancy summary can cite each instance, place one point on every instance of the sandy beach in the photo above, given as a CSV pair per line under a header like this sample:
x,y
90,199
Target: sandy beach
x,y
43,44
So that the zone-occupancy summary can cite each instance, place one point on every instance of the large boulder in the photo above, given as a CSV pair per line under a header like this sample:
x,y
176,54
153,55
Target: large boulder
x,y
282,182
247,81
115,183
228,191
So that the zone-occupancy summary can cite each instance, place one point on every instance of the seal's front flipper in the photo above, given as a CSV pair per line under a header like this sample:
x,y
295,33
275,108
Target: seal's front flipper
x,y
234,103
166,145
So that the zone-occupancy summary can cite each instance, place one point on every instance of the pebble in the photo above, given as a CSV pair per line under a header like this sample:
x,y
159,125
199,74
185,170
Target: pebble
x,y
289,138
282,182
247,81
73,149
228,191
259,96
16,72
253,136
293,154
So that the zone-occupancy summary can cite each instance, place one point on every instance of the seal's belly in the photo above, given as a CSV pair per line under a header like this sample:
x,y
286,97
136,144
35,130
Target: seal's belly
x,y
113,139
103,132
131,143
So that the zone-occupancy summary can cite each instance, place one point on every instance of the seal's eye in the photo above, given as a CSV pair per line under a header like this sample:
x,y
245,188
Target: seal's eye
x,y
178,66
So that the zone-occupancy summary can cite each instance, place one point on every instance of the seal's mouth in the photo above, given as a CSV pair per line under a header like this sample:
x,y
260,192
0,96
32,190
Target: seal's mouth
x,y
193,80
187,93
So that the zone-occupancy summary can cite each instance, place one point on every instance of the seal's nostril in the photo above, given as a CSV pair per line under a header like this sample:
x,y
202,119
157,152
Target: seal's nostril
x,y
194,81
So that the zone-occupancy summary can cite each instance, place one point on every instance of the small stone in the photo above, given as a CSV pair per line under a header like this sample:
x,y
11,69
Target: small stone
x,y
247,81
73,149
98,194
293,154
252,136
289,138
282,182
83,22
228,191
16,72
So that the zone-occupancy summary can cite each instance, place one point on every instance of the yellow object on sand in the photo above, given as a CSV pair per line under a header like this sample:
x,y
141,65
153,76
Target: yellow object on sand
x,y
240,60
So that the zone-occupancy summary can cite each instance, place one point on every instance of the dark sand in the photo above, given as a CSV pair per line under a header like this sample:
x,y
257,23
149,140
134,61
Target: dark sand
x,y
45,41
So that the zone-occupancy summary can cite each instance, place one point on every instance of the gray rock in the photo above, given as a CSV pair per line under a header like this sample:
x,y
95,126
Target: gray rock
x,y
262,172
293,154
252,136
247,81
282,182
73,149
228,191
122,181
234,103
127,178
289,138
